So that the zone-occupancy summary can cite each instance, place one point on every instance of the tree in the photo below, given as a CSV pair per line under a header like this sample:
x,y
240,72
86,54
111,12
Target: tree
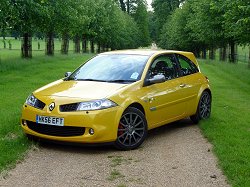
x,y
237,24
141,18
205,24
27,17
162,10
122,5
7,16
175,34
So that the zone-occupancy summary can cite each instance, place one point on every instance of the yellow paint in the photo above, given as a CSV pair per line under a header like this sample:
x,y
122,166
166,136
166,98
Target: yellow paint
x,y
162,103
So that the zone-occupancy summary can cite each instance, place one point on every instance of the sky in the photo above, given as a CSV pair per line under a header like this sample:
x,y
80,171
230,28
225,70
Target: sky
x,y
149,4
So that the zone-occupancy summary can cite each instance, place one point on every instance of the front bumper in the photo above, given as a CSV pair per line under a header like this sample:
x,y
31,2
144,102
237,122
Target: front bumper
x,y
103,122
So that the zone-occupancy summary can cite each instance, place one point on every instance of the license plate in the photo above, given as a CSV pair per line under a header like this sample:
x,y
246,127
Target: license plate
x,y
49,120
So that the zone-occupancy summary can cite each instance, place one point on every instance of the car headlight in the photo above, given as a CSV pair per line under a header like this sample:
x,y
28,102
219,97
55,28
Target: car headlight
x,y
96,105
31,100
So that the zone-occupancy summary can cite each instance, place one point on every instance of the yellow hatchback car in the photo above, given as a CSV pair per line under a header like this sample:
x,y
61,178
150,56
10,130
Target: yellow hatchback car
x,y
117,97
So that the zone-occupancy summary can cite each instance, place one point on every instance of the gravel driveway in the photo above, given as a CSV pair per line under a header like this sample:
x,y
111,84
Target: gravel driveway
x,y
172,155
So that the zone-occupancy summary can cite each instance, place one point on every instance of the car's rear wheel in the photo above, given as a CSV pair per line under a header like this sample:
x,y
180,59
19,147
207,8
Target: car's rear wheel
x,y
132,129
203,109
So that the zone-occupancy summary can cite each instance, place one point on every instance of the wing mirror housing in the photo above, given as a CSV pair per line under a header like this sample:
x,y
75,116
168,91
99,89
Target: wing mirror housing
x,y
67,74
156,79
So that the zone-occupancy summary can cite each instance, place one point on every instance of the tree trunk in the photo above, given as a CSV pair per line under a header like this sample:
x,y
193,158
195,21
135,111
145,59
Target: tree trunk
x,y
26,46
77,44
103,48
92,46
98,47
65,44
4,44
197,53
204,53
212,53
128,7
10,45
50,47
232,55
84,44
223,53
123,6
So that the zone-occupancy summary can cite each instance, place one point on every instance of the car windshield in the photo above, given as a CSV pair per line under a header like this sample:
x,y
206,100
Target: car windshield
x,y
118,68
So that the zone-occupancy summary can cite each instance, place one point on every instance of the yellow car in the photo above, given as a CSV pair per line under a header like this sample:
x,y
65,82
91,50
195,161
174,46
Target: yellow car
x,y
117,97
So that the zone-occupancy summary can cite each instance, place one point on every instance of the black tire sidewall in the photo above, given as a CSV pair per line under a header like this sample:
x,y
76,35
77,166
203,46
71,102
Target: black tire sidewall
x,y
120,146
199,114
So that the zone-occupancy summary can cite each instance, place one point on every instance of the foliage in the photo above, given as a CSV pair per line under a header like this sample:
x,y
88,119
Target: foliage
x,y
162,10
174,33
100,21
7,16
237,20
199,24
141,18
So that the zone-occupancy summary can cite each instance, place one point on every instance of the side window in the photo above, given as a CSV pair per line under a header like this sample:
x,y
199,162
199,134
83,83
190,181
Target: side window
x,y
186,65
164,65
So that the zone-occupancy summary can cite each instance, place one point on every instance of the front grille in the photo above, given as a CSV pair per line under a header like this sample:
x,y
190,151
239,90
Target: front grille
x,y
39,104
64,131
69,107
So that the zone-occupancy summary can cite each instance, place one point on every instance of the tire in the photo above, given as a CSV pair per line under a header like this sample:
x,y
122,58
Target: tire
x,y
203,109
132,129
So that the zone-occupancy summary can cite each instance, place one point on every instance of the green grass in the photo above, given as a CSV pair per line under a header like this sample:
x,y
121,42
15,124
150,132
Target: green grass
x,y
228,129
16,44
115,174
19,77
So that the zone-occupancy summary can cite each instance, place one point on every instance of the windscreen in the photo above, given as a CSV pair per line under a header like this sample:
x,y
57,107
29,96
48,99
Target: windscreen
x,y
111,68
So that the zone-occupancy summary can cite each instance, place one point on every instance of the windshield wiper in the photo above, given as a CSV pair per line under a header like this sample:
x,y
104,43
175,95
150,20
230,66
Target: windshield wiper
x,y
91,80
121,81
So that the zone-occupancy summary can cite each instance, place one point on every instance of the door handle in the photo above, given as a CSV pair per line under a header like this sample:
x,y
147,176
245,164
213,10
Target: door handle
x,y
182,85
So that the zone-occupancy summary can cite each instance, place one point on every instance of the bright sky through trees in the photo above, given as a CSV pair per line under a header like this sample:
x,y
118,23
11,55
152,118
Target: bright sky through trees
x,y
149,4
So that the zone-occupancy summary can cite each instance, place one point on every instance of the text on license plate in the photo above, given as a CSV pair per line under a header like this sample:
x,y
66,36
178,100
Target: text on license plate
x,y
49,120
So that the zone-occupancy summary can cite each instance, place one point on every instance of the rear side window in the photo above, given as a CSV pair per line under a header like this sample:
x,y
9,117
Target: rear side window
x,y
186,65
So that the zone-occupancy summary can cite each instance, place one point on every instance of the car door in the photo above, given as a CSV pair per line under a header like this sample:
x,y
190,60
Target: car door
x,y
190,82
164,100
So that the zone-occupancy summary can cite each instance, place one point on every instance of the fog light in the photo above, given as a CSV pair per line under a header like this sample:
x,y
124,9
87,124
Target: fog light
x,y
91,131
24,122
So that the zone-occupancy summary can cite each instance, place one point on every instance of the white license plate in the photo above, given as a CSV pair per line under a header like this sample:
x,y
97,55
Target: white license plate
x,y
49,120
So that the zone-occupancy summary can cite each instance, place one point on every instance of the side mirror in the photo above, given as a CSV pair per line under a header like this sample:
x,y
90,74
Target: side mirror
x,y
67,74
156,79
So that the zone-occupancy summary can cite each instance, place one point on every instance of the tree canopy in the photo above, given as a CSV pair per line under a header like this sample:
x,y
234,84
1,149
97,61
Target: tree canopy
x,y
195,25
100,21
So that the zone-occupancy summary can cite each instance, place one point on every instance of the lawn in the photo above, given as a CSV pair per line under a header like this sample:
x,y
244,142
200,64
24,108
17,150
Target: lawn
x,y
16,44
228,129
19,77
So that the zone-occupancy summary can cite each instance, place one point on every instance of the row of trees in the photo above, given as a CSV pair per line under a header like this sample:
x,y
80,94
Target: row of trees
x,y
107,24
199,25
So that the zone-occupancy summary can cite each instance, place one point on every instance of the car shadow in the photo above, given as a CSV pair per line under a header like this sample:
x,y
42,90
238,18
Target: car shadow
x,y
169,128
109,148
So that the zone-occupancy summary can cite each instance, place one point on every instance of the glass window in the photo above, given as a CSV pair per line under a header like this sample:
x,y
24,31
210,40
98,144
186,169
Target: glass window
x,y
186,65
164,65
111,68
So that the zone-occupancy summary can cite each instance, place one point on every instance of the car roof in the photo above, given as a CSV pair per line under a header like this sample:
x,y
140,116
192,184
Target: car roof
x,y
150,52
146,52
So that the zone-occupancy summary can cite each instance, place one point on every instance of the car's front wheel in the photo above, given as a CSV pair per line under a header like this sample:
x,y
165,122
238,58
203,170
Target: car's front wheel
x,y
132,129
204,108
